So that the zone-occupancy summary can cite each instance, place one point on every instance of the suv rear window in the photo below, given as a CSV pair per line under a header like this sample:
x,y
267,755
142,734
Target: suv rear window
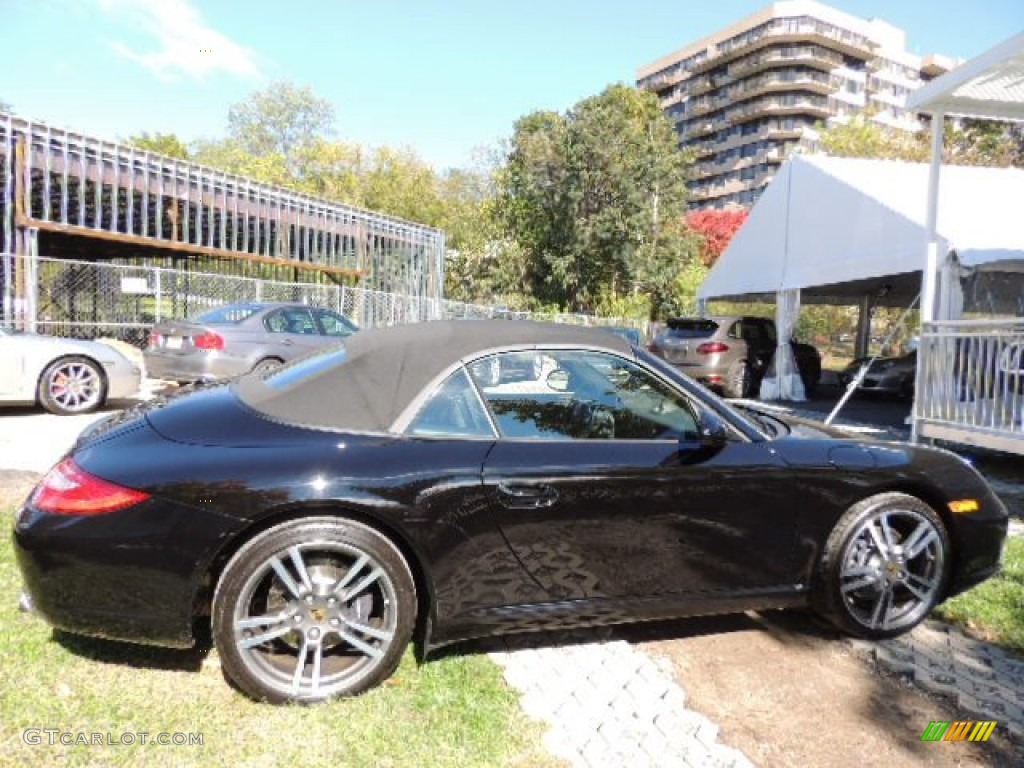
x,y
233,313
690,329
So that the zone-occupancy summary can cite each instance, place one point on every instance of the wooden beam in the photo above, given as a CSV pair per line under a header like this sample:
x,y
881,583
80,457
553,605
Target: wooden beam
x,y
118,237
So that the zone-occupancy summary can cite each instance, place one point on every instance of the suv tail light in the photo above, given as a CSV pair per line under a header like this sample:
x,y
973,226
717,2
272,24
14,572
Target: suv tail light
x,y
154,339
68,489
208,340
711,347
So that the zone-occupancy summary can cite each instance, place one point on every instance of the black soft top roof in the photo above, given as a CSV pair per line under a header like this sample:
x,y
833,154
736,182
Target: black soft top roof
x,y
384,369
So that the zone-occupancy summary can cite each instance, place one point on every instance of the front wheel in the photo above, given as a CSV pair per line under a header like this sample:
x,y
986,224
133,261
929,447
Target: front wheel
x,y
72,385
313,609
884,568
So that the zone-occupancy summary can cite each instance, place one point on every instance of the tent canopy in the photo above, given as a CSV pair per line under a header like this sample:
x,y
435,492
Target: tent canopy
x,y
841,228
990,86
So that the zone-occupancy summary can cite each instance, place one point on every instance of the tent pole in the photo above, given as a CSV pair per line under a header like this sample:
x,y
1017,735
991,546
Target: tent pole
x,y
931,261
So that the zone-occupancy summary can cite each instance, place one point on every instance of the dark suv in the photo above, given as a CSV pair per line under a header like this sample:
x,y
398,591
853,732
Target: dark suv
x,y
730,354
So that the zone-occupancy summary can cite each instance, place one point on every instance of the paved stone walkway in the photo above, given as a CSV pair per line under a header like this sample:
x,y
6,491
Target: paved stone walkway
x,y
986,681
608,704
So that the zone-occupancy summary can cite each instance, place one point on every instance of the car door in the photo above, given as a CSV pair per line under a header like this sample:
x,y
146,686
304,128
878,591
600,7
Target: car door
x,y
604,489
12,365
472,569
293,332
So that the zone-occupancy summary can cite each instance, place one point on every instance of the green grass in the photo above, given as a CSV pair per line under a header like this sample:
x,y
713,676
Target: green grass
x,y
994,610
456,711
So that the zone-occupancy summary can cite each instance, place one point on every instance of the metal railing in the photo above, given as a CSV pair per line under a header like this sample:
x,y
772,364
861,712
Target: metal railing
x,y
89,300
970,383
110,194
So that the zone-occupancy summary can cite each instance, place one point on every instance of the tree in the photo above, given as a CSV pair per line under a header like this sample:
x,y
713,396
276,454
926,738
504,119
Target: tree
x,y
965,142
5,106
716,229
280,119
594,197
162,143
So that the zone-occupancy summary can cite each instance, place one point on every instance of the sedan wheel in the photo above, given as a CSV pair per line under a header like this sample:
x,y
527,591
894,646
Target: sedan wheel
x,y
266,365
737,380
885,566
313,609
72,385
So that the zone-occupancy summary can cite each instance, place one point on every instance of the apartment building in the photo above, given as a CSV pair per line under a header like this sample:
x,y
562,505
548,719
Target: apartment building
x,y
745,97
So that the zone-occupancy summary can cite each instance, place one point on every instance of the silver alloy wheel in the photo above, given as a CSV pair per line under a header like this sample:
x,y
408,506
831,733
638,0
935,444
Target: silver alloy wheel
x,y
315,619
74,386
892,569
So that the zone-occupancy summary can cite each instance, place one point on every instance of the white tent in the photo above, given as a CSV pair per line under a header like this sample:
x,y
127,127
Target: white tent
x,y
851,230
841,228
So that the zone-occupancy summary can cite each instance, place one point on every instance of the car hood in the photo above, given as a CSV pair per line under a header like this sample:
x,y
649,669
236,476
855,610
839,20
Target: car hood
x,y
53,346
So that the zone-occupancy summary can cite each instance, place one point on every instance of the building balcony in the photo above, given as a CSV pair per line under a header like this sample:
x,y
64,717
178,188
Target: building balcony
x,y
780,107
809,56
832,38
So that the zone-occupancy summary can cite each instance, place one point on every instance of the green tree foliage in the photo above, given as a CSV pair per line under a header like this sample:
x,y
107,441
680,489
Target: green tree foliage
x,y
162,143
280,119
966,142
595,200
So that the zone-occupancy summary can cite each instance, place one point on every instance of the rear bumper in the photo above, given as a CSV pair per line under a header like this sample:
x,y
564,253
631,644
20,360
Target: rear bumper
x,y
196,366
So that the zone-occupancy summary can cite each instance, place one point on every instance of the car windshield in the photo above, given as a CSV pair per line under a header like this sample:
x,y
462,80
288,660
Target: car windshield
x,y
232,314
690,329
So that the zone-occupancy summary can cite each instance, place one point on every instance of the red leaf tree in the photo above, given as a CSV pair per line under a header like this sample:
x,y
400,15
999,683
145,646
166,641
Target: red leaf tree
x,y
716,228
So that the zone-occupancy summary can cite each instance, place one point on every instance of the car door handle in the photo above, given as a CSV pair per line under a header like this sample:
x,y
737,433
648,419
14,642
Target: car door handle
x,y
287,342
519,496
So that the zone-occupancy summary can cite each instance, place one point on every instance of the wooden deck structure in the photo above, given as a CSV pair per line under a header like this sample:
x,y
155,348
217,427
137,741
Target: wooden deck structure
x,y
67,194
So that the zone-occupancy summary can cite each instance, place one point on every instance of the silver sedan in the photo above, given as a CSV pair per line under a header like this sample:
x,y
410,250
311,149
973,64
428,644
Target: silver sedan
x,y
65,376
237,338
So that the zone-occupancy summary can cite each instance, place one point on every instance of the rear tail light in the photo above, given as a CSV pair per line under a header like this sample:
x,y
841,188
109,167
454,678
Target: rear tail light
x,y
711,347
155,339
208,340
68,489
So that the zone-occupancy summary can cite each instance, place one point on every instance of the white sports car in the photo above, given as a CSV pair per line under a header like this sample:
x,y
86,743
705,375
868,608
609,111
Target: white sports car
x,y
65,376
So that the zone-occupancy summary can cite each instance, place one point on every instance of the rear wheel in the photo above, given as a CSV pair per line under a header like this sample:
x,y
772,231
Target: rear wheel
x,y
313,609
737,380
885,566
266,365
72,385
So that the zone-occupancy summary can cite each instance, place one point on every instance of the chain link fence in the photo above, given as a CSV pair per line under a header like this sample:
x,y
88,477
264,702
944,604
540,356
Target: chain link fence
x,y
91,300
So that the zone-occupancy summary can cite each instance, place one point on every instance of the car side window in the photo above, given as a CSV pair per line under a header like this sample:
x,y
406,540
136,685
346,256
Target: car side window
x,y
333,324
276,322
577,395
452,410
298,321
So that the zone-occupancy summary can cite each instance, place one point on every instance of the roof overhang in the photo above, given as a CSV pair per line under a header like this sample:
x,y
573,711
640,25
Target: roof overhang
x,y
988,86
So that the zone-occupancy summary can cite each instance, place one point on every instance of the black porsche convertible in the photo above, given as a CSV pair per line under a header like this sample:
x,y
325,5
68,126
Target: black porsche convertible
x,y
318,518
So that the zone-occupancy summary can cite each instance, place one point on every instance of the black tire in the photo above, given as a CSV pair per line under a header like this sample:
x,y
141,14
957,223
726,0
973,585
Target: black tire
x,y
71,385
876,591
737,380
266,365
278,600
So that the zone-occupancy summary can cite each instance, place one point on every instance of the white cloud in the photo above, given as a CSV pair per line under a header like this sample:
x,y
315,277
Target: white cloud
x,y
172,39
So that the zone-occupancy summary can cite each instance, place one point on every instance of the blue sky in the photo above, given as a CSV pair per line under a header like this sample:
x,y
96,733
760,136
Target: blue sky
x,y
442,77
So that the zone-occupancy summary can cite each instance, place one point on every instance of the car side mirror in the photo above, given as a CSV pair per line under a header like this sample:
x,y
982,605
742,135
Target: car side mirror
x,y
711,435
714,433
